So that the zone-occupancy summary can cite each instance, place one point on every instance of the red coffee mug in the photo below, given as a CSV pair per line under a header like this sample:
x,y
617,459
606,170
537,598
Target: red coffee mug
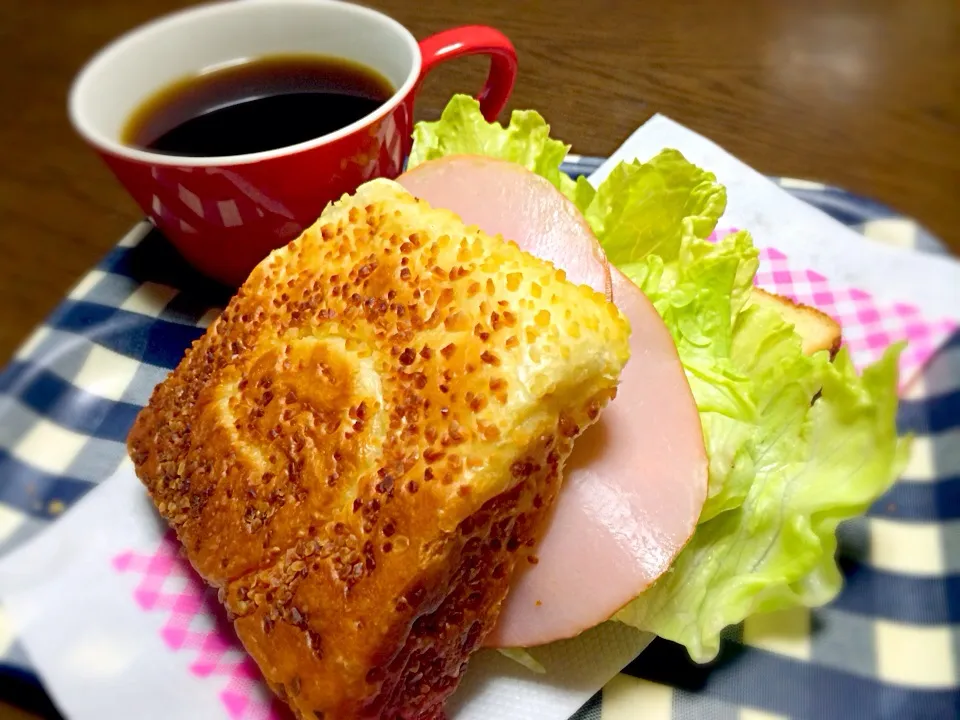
x,y
225,214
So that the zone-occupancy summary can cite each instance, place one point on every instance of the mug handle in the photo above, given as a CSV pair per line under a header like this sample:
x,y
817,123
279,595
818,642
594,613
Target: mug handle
x,y
476,40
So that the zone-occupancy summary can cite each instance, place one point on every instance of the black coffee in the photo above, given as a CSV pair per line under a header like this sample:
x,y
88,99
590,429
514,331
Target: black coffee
x,y
263,104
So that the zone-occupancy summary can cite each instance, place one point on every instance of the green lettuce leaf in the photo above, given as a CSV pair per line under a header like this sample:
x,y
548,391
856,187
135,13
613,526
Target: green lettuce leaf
x,y
769,540
523,657
796,444
645,208
462,130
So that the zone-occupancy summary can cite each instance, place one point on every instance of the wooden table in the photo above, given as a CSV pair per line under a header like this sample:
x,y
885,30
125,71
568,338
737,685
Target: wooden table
x,y
864,94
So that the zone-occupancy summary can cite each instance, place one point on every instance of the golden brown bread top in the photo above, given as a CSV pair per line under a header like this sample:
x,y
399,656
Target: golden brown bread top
x,y
369,390
817,330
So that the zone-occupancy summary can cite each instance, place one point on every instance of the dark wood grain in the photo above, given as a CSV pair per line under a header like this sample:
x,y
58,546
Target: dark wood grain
x,y
864,94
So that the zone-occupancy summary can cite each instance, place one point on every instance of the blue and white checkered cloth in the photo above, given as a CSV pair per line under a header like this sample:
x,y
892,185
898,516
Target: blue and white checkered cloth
x,y
888,646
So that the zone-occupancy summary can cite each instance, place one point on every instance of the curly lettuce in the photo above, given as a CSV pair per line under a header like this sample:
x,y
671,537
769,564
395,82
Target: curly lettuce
x,y
796,443
462,130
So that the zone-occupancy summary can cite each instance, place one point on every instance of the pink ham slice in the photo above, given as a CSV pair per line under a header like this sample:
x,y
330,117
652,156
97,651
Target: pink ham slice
x,y
506,198
637,480
631,496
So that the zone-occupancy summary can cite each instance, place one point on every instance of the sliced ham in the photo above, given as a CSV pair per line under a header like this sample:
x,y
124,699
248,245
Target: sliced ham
x,y
506,198
637,480
631,496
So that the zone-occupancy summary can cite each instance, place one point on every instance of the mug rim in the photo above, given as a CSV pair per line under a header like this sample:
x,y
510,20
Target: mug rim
x,y
103,57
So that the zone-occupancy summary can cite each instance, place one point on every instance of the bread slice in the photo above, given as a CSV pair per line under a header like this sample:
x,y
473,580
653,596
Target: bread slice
x,y
817,330
357,449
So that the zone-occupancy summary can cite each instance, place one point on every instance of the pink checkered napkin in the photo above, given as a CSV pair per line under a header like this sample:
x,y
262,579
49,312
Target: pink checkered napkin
x,y
197,625
869,325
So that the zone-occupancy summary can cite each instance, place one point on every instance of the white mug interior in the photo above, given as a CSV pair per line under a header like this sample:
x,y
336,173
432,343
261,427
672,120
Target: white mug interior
x,y
127,72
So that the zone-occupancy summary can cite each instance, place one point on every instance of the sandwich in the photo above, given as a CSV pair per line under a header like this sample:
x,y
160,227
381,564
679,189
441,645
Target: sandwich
x,y
484,405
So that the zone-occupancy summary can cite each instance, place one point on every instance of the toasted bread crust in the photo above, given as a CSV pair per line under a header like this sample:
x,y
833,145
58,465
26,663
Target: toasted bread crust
x,y
817,330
